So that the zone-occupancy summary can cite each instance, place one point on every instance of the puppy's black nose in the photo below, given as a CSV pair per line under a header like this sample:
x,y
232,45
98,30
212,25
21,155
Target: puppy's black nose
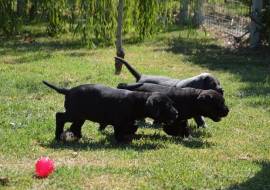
x,y
176,116
220,90
226,111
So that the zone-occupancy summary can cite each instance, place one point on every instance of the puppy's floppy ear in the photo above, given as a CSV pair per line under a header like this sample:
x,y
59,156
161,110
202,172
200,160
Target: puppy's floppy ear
x,y
205,96
151,105
220,90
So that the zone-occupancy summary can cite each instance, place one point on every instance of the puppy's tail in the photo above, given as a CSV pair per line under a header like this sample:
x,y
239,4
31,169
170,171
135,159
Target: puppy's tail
x,y
57,89
135,73
129,86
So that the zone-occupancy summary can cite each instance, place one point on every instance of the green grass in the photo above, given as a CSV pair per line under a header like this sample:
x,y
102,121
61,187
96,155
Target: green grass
x,y
231,154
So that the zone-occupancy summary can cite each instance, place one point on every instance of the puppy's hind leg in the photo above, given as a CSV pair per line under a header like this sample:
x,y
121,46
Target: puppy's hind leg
x,y
61,119
178,128
123,136
76,128
102,126
200,122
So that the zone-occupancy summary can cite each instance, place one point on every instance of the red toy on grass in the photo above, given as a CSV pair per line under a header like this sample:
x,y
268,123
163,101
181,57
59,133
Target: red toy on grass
x,y
44,167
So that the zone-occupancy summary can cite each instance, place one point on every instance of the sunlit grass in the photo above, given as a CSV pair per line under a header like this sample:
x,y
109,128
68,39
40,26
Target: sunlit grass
x,y
232,154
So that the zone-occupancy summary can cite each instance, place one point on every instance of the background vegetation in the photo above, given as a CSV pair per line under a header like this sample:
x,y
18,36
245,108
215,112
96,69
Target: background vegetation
x,y
231,154
93,20
45,40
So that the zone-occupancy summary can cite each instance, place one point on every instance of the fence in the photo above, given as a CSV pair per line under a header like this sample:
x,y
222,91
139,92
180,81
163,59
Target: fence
x,y
228,16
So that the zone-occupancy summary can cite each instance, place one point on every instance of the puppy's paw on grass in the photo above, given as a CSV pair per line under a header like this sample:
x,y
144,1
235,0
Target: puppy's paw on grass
x,y
68,136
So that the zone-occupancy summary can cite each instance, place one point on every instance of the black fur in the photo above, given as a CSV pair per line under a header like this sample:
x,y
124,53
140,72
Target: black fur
x,y
203,81
189,102
110,106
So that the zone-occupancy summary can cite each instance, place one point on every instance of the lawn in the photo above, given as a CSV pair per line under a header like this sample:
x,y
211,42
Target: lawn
x,y
231,154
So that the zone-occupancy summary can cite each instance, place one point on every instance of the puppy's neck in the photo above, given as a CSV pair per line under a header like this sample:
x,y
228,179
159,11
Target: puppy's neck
x,y
139,104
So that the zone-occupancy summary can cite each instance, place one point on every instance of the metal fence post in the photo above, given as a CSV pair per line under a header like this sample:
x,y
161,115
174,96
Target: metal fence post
x,y
256,9
198,17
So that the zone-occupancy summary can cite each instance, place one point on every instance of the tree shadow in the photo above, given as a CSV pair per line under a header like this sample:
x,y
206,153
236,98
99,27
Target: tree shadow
x,y
49,45
259,181
251,66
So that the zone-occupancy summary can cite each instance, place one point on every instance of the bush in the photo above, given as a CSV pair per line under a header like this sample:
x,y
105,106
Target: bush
x,y
9,21
266,23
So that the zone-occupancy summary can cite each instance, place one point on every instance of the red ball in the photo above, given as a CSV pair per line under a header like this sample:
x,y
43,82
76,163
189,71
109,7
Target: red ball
x,y
44,167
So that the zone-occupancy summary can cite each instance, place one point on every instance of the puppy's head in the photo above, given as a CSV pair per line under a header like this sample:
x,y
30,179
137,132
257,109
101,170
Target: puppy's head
x,y
211,82
212,105
160,107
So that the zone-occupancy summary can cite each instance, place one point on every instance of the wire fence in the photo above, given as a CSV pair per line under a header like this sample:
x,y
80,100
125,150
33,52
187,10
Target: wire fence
x,y
228,16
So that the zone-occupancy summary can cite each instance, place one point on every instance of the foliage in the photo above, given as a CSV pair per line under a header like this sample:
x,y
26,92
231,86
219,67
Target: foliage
x,y
9,21
96,22
152,16
246,2
266,22
54,11
93,20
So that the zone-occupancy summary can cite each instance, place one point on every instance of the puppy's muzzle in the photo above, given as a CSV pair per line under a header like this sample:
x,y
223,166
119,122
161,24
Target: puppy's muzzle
x,y
225,111
175,116
221,91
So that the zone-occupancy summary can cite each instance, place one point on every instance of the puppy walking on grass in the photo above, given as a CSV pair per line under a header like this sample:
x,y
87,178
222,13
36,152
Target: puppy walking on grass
x,y
204,81
189,102
109,106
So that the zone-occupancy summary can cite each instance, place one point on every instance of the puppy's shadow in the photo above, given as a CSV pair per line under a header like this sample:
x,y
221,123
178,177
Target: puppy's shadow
x,y
104,143
190,142
194,131
148,141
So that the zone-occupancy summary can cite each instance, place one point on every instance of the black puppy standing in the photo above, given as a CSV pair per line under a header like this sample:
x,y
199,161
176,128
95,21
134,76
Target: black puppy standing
x,y
109,106
189,102
203,81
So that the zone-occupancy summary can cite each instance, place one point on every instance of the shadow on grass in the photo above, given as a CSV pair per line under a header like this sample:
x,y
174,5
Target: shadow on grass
x,y
34,46
150,142
259,181
194,130
25,52
191,142
251,66
107,143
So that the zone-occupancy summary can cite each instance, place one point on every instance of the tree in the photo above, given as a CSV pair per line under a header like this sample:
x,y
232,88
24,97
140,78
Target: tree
x,y
9,21
21,7
119,45
198,17
33,9
184,12
255,25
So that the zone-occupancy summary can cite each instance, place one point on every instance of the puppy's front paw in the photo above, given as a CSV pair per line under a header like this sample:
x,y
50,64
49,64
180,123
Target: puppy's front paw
x,y
68,136
125,139
122,85
203,126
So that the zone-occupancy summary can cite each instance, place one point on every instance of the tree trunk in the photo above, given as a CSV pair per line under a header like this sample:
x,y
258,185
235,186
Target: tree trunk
x,y
33,10
256,10
198,17
183,12
119,47
21,7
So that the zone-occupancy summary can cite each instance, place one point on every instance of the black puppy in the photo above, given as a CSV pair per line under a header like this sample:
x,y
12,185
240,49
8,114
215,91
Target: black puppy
x,y
189,102
203,81
109,106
